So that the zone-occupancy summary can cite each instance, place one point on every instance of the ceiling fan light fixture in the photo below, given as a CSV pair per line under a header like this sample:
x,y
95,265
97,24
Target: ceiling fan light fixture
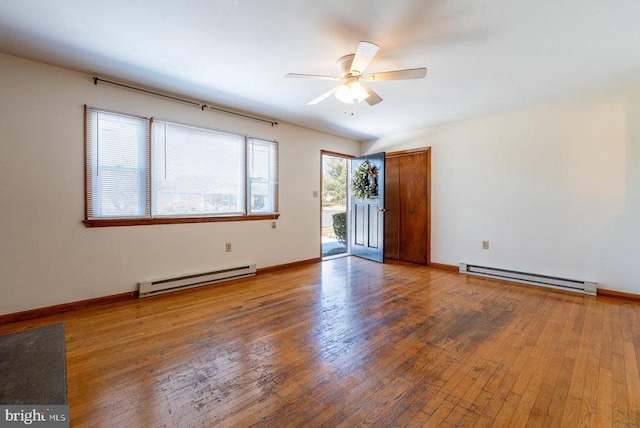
x,y
351,92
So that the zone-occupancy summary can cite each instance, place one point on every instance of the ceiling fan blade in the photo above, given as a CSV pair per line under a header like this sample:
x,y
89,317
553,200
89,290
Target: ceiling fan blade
x,y
311,76
365,53
373,98
323,96
412,73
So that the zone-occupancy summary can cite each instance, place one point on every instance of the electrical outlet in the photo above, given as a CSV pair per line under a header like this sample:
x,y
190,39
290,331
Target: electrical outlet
x,y
273,225
485,245
315,193
227,247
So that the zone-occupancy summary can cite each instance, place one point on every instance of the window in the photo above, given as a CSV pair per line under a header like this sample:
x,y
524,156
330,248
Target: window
x,y
261,174
117,156
141,171
196,171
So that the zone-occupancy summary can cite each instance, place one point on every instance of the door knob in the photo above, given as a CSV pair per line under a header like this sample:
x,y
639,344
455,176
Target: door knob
x,y
382,210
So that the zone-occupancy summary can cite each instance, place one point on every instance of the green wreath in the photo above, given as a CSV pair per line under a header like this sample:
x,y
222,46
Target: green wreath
x,y
365,181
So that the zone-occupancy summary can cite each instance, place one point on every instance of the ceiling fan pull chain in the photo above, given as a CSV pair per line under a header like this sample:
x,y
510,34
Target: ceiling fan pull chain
x,y
348,110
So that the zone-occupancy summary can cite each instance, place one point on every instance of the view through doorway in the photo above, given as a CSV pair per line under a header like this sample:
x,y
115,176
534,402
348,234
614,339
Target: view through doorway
x,y
334,228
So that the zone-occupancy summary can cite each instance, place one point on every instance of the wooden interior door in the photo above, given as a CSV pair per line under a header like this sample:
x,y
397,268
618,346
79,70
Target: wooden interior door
x,y
367,215
407,202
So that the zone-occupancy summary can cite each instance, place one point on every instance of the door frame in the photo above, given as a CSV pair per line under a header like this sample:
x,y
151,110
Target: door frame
x,y
349,158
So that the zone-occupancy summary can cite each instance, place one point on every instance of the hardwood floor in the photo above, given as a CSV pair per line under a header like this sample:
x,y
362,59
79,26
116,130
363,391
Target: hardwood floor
x,y
349,342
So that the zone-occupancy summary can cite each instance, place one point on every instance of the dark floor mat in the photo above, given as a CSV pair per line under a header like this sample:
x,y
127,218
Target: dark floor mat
x,y
33,366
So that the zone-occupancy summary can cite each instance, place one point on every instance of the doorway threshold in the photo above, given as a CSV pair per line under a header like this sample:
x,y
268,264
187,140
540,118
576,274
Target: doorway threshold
x,y
335,256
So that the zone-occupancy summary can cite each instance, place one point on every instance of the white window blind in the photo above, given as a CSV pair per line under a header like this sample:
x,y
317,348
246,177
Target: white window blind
x,y
117,165
262,175
197,172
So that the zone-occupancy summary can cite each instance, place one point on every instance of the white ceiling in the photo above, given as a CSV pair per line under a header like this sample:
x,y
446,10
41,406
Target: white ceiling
x,y
483,57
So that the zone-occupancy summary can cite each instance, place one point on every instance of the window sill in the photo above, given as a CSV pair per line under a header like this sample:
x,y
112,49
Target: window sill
x,y
182,220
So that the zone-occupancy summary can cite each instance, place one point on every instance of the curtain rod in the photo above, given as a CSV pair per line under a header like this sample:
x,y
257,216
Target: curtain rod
x,y
183,100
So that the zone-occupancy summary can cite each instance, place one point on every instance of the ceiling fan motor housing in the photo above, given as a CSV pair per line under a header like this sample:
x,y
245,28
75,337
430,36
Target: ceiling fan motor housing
x,y
344,64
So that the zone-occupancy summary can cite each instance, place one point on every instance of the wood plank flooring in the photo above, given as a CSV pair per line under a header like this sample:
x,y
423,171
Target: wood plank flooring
x,y
349,342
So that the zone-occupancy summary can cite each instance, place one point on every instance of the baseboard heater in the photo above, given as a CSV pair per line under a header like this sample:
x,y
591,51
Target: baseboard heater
x,y
166,285
574,285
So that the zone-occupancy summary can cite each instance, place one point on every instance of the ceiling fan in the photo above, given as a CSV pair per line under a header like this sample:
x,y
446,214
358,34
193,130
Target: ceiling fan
x,y
352,68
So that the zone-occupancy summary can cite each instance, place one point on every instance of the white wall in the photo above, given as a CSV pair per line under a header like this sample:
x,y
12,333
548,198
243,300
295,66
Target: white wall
x,y
48,257
555,189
